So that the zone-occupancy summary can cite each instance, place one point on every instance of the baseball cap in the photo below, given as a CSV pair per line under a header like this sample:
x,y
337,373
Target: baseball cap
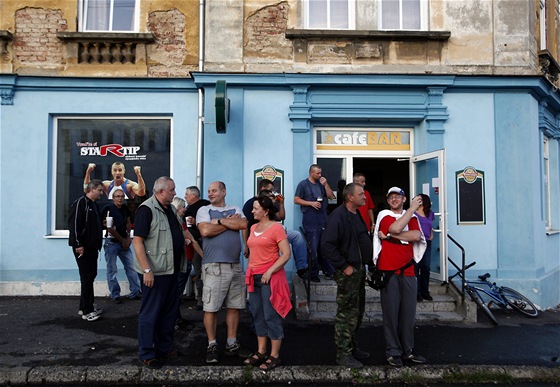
x,y
396,190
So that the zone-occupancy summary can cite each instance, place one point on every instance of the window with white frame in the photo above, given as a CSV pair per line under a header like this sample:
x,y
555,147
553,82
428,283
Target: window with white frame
x,y
109,15
86,148
542,24
402,14
546,182
551,184
330,14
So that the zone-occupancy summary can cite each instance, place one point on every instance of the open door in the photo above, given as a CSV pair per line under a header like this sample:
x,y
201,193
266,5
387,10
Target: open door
x,y
427,172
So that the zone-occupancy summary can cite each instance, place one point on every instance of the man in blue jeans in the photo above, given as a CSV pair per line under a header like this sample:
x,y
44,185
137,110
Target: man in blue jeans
x,y
118,245
312,195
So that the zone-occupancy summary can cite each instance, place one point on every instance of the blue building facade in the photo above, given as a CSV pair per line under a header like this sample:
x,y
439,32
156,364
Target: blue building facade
x,y
505,130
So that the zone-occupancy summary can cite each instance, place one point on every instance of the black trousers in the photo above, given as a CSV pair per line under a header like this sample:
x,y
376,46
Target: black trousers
x,y
87,266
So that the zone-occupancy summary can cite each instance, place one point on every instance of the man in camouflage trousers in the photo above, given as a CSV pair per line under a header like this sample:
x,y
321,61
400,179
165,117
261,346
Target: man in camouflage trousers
x,y
346,244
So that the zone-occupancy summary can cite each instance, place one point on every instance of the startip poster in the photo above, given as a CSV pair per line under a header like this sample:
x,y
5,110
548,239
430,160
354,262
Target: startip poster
x,y
130,153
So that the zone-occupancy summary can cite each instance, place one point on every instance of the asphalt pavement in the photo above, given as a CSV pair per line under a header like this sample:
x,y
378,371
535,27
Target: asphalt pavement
x,y
43,340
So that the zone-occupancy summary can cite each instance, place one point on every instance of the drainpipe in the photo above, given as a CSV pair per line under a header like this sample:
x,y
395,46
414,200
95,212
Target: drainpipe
x,y
200,136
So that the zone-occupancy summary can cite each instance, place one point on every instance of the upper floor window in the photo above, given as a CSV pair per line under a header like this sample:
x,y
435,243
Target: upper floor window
x,y
402,14
330,14
542,24
108,15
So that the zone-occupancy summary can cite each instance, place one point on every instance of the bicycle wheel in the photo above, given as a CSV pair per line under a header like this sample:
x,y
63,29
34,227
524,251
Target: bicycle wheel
x,y
518,302
482,305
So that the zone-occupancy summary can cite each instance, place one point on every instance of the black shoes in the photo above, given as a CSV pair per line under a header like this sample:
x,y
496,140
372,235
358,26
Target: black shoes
x,y
395,361
412,357
237,350
426,297
152,363
212,354
359,354
349,361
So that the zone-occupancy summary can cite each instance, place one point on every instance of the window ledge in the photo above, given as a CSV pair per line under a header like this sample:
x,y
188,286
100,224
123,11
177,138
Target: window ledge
x,y
106,37
366,34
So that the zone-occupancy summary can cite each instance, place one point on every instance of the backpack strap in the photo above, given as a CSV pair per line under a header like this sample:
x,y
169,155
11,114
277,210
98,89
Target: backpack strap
x,y
402,269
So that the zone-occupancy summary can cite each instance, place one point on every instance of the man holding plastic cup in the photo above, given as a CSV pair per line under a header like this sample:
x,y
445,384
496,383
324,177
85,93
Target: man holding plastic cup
x,y
117,244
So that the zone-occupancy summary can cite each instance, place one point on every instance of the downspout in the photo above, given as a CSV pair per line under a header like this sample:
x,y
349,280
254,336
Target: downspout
x,y
200,136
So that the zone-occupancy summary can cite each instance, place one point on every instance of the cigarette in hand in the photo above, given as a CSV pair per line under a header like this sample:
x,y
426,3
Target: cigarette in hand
x,y
80,256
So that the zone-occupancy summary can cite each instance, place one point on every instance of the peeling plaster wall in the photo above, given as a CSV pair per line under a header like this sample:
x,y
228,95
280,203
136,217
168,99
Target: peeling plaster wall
x,y
36,49
265,33
36,46
168,56
487,37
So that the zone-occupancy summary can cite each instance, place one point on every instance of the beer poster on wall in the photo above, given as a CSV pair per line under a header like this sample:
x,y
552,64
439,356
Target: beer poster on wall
x,y
470,196
126,153
272,174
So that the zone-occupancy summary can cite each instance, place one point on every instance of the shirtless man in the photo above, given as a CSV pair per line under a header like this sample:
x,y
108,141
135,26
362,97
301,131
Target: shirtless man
x,y
130,188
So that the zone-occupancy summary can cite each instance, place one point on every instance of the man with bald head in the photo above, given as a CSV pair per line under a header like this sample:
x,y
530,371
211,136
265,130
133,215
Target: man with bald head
x,y
222,273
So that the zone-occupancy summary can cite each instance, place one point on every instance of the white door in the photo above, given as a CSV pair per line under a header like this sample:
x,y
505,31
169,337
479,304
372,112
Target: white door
x,y
427,173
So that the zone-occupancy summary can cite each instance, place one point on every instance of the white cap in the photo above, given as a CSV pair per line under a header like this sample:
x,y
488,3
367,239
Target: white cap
x,y
396,190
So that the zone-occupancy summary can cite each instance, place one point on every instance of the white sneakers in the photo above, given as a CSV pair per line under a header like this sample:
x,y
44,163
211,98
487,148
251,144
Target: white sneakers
x,y
91,316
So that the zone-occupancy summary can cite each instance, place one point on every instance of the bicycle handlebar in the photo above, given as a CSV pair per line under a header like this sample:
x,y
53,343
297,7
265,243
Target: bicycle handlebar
x,y
470,265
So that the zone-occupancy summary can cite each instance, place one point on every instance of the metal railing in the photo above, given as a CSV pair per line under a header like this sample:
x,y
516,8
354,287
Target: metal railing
x,y
307,279
460,269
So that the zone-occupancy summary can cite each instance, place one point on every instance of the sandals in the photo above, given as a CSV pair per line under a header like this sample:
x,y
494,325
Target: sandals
x,y
270,363
256,359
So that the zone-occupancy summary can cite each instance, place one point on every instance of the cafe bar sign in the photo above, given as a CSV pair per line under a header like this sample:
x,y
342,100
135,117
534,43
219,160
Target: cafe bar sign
x,y
353,140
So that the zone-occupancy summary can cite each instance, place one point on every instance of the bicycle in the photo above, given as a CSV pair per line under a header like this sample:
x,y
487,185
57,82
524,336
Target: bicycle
x,y
501,296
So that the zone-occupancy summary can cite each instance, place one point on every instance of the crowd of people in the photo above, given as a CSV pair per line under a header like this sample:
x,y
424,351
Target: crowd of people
x,y
174,236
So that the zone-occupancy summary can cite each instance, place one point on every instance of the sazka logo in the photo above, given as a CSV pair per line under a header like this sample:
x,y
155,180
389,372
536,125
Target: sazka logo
x,y
115,149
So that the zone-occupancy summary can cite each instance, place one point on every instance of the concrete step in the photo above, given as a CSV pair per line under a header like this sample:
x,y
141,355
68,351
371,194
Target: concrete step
x,y
446,306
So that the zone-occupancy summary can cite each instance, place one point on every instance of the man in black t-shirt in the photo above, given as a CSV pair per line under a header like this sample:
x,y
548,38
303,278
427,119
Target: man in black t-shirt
x,y
117,244
194,202
159,251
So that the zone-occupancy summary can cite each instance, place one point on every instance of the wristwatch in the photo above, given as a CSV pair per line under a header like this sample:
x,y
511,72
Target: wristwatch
x,y
388,236
147,271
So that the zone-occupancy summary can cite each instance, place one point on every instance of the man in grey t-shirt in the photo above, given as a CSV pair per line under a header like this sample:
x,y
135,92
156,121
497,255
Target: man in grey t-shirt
x,y
222,274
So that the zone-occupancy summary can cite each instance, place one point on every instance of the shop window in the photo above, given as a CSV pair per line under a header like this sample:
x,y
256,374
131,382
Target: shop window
x,y
141,146
551,185
329,14
402,14
108,15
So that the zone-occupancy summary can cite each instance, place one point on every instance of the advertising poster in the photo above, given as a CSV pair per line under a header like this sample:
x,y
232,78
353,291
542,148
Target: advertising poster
x,y
127,152
470,196
272,174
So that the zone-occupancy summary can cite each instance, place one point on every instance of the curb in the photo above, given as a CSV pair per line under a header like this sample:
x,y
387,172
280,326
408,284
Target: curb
x,y
216,375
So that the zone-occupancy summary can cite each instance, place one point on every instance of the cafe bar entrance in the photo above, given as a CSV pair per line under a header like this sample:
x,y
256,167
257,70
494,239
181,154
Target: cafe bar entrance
x,y
386,158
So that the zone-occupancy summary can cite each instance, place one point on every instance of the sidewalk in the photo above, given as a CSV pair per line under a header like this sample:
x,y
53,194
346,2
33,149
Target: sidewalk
x,y
43,341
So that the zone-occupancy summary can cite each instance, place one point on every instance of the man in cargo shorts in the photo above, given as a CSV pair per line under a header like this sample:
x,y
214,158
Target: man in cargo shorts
x,y
222,273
